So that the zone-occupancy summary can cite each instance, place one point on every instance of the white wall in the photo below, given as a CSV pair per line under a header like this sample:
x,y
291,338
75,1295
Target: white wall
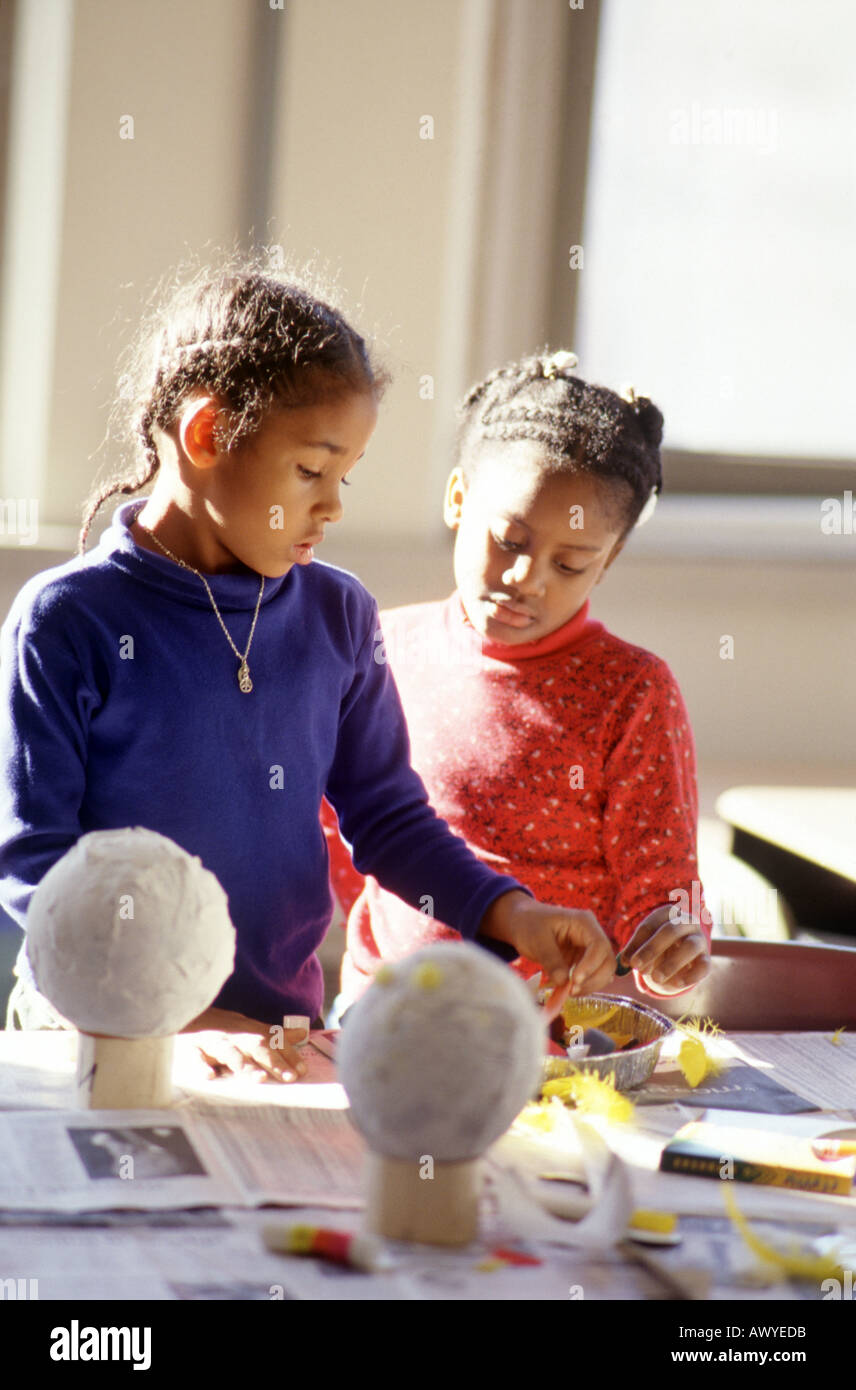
x,y
353,181
133,207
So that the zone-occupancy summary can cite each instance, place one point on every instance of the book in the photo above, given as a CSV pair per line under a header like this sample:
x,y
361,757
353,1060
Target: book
x,y
738,1088
756,1155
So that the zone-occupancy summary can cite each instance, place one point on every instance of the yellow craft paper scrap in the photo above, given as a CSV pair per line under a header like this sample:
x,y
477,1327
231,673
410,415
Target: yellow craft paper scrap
x,y
586,1013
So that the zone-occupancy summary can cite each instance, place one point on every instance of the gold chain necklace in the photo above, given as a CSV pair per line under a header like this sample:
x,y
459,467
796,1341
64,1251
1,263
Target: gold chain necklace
x,y
244,682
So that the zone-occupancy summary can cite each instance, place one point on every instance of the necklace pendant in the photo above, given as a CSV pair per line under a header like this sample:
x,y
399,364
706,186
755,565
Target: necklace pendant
x,y
244,677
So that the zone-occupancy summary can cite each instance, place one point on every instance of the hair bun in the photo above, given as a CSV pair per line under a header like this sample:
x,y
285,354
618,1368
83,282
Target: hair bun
x,y
558,364
650,422
649,416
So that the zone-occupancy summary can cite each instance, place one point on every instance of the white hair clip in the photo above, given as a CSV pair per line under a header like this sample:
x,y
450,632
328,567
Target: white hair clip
x,y
648,510
559,362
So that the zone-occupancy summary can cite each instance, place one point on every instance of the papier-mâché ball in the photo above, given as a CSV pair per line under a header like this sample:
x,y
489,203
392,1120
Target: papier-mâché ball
x,y
129,935
440,1054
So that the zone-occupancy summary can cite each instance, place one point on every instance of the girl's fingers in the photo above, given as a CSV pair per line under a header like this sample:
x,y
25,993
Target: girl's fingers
x,y
677,958
268,1064
295,1035
689,973
646,929
694,973
278,1064
237,1057
664,938
597,960
227,1060
576,953
216,1068
261,1063
286,1057
604,977
568,945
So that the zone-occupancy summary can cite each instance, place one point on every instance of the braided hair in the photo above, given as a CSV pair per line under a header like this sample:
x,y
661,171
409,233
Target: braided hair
x,y
581,428
251,337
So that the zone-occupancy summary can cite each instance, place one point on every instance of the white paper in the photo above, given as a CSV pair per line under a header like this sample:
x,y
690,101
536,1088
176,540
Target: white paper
x,y
838,1123
226,1261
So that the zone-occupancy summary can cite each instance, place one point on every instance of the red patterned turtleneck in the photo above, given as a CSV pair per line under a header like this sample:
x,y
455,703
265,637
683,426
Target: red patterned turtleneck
x,y
568,762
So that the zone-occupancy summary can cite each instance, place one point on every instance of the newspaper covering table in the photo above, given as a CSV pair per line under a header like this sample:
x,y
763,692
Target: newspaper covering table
x,y
169,1204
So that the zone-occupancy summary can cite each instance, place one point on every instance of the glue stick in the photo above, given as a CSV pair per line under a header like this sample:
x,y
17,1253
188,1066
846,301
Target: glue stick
x,y
339,1247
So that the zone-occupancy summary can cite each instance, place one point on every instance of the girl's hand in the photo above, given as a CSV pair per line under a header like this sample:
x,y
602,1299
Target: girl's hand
x,y
671,954
270,1057
565,942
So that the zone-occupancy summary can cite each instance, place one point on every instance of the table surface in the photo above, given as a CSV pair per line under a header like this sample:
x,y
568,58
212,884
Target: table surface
x,y
814,823
220,1255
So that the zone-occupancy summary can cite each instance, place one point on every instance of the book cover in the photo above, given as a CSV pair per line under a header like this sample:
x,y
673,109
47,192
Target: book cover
x,y
760,1156
738,1088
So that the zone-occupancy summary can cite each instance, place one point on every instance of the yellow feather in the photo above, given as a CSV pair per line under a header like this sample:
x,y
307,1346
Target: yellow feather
x,y
592,1095
699,1027
696,1063
792,1262
694,1060
540,1115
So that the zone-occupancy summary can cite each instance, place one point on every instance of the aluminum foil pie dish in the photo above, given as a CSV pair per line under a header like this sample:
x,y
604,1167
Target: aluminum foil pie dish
x,y
612,1014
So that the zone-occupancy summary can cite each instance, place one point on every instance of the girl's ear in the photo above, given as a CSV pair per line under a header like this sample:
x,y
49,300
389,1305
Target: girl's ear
x,y
197,431
453,500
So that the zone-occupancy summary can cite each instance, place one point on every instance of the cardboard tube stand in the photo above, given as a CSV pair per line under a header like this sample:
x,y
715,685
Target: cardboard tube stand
x,y
124,1073
438,1207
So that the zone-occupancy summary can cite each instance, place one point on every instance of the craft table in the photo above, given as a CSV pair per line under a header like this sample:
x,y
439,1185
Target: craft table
x,y
210,1254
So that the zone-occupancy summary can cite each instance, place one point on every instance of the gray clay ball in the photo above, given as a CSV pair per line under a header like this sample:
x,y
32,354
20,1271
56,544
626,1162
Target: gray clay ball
x,y
598,1043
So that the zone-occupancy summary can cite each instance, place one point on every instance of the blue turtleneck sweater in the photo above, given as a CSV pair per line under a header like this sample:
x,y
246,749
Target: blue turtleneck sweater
x,y
120,706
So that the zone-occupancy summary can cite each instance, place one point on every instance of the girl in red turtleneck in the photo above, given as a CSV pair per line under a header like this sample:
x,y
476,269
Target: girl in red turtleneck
x,y
560,753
